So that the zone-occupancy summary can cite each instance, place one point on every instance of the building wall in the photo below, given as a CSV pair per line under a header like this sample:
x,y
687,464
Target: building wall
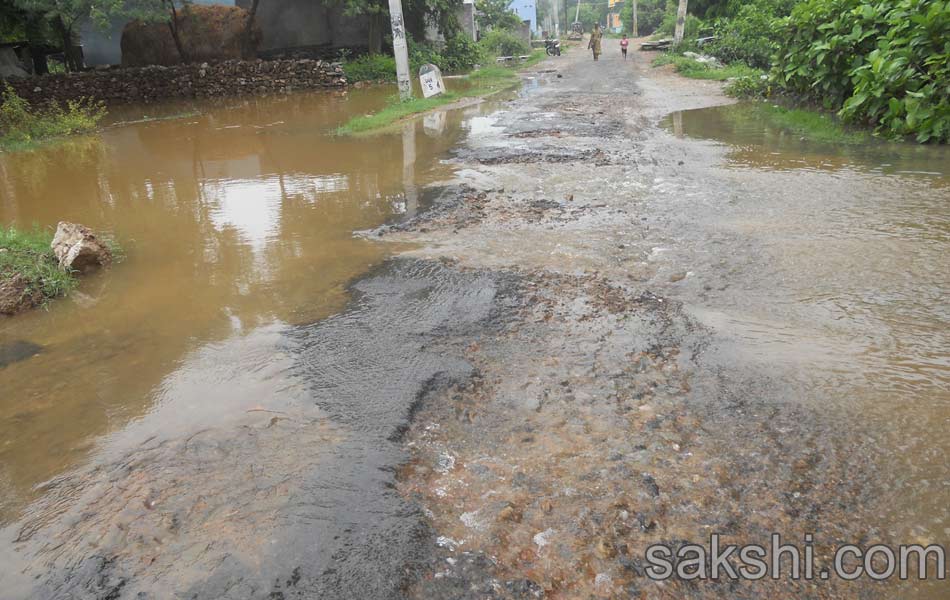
x,y
291,23
527,10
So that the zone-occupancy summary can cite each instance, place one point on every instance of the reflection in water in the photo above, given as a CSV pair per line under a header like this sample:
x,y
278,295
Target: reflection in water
x,y
757,141
236,218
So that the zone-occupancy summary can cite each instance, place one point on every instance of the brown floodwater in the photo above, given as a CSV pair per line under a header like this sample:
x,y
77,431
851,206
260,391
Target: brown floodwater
x,y
235,217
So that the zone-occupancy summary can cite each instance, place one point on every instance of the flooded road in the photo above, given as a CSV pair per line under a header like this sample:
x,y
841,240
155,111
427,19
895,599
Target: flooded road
x,y
233,219
734,330
845,289
180,403
620,321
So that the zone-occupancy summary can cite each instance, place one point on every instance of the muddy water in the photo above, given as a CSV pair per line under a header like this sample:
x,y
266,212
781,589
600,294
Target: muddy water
x,y
841,286
165,380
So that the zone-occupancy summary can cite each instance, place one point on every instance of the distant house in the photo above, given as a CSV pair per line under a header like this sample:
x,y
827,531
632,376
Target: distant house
x,y
527,10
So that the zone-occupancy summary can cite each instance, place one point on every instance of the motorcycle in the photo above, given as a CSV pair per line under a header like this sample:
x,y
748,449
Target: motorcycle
x,y
552,47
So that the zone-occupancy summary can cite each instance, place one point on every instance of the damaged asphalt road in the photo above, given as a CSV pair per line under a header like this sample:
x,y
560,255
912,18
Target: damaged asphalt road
x,y
606,417
517,406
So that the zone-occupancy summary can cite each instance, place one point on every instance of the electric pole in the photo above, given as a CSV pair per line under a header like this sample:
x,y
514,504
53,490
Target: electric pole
x,y
400,50
680,23
577,14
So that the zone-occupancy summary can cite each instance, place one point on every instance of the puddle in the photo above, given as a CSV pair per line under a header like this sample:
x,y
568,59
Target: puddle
x,y
236,216
757,141
839,289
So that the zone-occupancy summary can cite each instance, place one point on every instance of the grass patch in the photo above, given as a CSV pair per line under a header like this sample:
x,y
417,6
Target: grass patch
x,y
813,125
28,253
23,125
370,67
393,112
688,67
483,82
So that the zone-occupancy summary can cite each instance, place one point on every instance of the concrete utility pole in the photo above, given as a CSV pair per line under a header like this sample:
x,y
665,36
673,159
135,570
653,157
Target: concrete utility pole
x,y
635,29
680,23
577,14
400,50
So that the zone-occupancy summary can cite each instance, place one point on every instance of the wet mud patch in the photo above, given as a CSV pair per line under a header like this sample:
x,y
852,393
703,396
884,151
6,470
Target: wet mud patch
x,y
288,499
455,205
543,154
592,430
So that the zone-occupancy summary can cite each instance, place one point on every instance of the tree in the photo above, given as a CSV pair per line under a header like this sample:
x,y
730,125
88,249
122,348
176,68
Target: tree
x,y
496,14
66,17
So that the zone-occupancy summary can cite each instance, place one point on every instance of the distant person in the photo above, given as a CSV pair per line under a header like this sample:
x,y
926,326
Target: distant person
x,y
624,42
594,43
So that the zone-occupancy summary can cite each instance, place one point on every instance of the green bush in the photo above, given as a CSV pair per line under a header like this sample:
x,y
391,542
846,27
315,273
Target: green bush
x,y
503,43
650,15
883,64
460,54
21,123
751,35
370,67
692,28
750,87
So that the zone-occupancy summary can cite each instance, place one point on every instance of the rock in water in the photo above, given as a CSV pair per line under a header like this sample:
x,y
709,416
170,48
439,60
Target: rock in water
x,y
16,351
78,249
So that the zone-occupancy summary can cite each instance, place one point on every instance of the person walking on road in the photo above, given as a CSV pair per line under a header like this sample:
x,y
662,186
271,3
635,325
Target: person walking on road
x,y
624,42
594,43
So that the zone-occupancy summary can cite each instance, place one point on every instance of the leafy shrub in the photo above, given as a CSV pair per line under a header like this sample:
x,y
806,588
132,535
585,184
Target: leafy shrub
x,y
21,123
370,67
503,43
691,28
460,53
884,64
751,35
422,53
750,87
650,15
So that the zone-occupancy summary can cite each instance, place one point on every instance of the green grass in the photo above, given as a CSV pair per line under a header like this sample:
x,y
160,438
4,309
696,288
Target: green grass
x,y
813,125
23,126
370,67
484,82
28,253
687,67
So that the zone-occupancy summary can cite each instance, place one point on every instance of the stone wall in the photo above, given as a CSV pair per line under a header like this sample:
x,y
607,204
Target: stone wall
x,y
156,83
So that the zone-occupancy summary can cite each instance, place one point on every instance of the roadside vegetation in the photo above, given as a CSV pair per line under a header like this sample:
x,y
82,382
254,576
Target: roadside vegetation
x,y
458,55
22,125
884,66
27,255
482,82
695,69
